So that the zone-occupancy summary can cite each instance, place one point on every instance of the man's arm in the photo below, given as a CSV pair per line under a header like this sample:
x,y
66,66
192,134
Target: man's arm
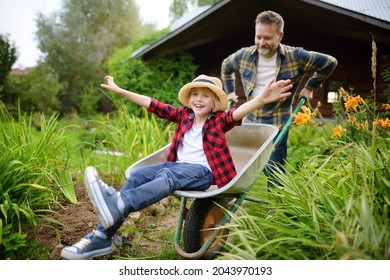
x,y
323,66
228,68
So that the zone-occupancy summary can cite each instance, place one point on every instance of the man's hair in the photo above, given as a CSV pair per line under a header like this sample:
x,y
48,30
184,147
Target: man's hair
x,y
271,17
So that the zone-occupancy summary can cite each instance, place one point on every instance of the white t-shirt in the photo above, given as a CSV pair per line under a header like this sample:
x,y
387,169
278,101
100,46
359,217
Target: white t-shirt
x,y
191,148
266,70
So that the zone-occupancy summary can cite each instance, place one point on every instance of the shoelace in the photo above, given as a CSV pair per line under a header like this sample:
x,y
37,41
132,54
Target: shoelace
x,y
103,184
106,187
84,242
99,180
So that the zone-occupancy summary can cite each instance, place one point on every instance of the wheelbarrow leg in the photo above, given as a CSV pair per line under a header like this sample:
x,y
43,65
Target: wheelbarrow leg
x,y
179,250
179,224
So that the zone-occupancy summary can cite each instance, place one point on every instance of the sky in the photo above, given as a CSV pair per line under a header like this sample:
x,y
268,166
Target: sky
x,y
18,20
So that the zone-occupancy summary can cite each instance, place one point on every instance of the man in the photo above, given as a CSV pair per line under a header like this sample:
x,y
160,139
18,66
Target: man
x,y
269,59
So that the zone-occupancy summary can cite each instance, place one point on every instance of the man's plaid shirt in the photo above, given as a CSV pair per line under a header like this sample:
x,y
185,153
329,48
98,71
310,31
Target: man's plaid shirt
x,y
292,63
214,140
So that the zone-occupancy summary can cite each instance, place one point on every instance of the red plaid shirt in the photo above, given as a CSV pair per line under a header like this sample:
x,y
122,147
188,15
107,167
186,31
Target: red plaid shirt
x,y
215,145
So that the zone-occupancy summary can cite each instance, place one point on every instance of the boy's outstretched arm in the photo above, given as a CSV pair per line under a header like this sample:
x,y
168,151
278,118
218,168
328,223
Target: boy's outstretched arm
x,y
272,92
136,98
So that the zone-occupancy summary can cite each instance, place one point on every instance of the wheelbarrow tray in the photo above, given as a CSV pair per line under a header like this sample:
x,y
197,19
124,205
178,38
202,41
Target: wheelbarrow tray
x,y
251,146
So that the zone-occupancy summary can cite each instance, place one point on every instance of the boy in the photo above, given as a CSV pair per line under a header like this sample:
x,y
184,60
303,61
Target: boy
x,y
198,156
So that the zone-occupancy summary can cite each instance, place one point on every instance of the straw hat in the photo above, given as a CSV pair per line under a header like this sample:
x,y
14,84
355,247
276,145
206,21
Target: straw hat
x,y
213,83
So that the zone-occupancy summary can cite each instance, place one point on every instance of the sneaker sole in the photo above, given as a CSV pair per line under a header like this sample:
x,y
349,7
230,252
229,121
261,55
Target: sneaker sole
x,y
91,183
87,256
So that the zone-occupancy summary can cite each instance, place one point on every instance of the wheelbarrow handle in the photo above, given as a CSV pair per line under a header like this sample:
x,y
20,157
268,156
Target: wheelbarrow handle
x,y
230,103
301,102
281,134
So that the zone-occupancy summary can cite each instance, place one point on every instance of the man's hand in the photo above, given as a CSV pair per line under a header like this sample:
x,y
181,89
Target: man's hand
x,y
308,93
233,96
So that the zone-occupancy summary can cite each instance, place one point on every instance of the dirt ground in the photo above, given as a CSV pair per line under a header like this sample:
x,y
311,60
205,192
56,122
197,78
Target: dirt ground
x,y
80,219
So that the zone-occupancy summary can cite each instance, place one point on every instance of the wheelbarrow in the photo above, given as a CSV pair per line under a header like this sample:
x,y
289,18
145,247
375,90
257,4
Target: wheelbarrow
x,y
251,146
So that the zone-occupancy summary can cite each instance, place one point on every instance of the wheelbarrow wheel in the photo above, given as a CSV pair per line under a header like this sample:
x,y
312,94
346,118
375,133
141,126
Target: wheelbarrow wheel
x,y
202,217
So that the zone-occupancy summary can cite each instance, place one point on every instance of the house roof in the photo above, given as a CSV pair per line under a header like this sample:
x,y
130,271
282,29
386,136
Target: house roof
x,y
379,9
232,18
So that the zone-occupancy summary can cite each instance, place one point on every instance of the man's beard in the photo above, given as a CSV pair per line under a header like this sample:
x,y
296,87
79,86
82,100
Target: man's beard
x,y
266,51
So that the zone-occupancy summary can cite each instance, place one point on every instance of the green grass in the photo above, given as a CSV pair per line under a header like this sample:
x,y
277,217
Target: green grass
x,y
331,206
31,175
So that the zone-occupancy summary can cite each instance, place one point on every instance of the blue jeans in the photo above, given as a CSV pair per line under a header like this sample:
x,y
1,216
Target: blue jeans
x,y
149,184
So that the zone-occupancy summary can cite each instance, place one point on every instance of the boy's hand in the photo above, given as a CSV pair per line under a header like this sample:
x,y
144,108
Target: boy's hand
x,y
274,91
136,98
110,84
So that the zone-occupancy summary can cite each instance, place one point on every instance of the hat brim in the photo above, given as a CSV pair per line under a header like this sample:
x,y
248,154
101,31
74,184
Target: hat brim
x,y
184,93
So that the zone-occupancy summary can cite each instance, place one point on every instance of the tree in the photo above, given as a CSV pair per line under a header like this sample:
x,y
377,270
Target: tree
x,y
77,41
161,78
40,90
179,7
7,59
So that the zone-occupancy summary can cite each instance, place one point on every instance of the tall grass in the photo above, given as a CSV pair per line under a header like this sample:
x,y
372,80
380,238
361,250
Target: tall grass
x,y
339,210
33,176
